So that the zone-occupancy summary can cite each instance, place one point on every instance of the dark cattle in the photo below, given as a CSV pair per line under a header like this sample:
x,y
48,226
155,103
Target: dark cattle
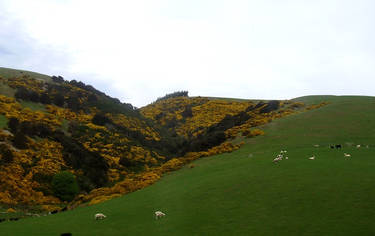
x,y
338,146
54,211
332,147
1,220
66,234
64,209
14,219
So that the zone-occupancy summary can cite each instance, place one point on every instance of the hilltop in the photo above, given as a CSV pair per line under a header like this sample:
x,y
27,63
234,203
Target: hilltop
x,y
50,126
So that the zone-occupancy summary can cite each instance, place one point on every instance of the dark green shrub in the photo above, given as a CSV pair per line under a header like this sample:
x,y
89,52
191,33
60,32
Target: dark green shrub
x,y
64,186
6,154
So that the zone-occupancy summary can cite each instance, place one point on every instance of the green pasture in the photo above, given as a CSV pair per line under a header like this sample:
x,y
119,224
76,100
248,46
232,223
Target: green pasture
x,y
3,122
9,73
245,193
33,106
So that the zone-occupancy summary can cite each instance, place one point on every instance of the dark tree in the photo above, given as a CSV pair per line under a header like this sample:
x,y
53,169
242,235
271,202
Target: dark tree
x,y
271,106
13,124
92,98
100,119
45,99
22,93
59,100
57,79
20,140
173,95
6,154
34,96
73,103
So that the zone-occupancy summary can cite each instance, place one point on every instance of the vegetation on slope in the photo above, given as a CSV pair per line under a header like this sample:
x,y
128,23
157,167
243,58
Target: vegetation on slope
x,y
53,125
241,194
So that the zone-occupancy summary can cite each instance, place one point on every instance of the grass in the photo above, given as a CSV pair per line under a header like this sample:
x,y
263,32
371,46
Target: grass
x,y
3,122
6,90
234,194
33,106
9,73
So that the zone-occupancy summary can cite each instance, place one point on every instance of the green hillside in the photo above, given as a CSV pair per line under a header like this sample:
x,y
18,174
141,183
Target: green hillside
x,y
50,125
245,193
8,73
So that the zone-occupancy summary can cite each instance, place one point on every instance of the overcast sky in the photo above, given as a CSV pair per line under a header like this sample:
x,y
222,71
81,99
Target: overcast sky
x,y
143,49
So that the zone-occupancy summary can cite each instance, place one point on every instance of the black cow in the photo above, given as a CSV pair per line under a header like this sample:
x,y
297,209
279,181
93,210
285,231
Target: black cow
x,y
66,234
338,146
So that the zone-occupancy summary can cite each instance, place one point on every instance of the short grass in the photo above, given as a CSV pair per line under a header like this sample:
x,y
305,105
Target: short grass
x,y
3,122
6,90
33,106
235,194
8,73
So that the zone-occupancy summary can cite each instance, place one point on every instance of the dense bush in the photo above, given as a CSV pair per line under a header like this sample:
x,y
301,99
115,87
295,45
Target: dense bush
x,y
57,79
173,95
65,186
100,119
28,95
20,140
270,106
5,154
75,155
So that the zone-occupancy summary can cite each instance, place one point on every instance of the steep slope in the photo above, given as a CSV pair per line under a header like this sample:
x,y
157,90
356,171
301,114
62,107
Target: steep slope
x,y
55,125
244,192
51,126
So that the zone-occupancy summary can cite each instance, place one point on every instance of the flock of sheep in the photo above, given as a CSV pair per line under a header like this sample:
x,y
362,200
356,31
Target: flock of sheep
x,y
282,154
101,216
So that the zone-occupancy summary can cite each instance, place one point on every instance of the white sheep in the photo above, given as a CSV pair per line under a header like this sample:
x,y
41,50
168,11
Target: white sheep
x,y
100,216
316,145
159,214
278,158
312,157
347,155
358,146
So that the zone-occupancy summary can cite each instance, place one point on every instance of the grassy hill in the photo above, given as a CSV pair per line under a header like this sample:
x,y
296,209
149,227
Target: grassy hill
x,y
50,125
245,193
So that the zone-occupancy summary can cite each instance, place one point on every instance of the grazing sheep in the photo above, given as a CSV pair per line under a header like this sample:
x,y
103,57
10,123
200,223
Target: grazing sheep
x,y
312,157
316,145
159,214
358,146
100,216
286,158
347,155
278,158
